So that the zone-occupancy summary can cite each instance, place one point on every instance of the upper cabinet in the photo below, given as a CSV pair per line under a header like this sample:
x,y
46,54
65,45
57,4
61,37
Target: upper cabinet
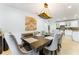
x,y
74,24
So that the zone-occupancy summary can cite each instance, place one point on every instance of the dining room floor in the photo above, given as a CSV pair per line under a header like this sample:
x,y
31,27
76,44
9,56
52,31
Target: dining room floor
x,y
69,47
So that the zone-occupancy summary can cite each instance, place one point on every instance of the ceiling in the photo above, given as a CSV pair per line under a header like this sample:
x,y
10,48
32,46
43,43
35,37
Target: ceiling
x,y
57,10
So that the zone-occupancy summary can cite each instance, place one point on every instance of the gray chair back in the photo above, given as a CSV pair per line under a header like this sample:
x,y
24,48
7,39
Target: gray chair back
x,y
60,39
54,43
13,46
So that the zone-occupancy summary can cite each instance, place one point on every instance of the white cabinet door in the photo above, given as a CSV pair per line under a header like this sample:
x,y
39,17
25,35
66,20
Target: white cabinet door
x,y
75,36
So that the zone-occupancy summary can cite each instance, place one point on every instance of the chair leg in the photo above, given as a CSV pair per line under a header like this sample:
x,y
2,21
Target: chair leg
x,y
55,52
59,47
52,52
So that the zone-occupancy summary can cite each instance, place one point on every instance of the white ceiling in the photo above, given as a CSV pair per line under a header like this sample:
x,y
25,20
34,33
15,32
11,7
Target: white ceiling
x,y
58,11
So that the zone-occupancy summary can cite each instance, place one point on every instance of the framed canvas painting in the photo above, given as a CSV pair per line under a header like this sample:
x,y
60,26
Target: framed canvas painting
x,y
30,24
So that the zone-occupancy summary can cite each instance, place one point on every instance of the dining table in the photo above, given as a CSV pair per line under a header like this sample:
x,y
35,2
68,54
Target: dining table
x,y
38,42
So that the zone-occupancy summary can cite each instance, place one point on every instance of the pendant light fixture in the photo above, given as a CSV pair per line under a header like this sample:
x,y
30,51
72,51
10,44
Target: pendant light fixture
x,y
45,14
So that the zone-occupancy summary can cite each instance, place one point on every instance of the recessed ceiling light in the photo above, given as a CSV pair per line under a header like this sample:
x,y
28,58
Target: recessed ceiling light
x,y
69,6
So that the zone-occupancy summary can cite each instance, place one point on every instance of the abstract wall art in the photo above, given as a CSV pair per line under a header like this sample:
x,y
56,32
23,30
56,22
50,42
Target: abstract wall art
x,y
30,24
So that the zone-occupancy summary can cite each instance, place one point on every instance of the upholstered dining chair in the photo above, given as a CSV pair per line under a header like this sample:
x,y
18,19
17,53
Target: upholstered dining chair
x,y
17,35
54,45
13,46
60,41
20,42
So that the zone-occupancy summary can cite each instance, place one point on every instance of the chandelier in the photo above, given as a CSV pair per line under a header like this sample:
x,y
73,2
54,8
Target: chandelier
x,y
45,14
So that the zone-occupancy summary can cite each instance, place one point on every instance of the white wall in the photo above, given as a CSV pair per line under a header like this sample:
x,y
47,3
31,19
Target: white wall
x,y
1,16
13,20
